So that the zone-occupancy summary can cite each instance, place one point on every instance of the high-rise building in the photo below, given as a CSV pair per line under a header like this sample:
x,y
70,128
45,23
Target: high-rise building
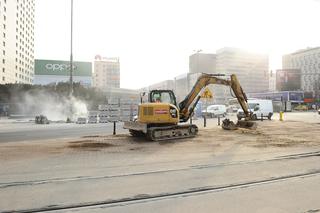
x,y
163,85
288,80
272,81
250,68
308,61
106,72
202,62
17,41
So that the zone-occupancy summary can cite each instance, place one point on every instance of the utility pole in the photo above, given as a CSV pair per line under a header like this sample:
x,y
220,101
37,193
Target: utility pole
x,y
69,118
71,56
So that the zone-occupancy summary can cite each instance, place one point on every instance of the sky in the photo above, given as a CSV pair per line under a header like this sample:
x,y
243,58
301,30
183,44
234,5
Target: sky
x,y
154,38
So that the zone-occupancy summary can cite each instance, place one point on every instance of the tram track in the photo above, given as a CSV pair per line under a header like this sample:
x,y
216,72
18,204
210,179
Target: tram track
x,y
168,195
193,167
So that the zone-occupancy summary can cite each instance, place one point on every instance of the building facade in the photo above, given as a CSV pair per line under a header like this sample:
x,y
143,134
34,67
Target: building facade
x,y
163,85
202,63
54,71
272,81
250,68
295,97
17,41
308,61
184,83
106,72
288,80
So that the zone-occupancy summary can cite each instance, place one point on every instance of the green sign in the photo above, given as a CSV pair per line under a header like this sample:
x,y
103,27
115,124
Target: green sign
x,y
53,67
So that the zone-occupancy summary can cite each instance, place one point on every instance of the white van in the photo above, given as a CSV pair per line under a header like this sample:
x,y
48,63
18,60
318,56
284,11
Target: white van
x,y
214,111
259,108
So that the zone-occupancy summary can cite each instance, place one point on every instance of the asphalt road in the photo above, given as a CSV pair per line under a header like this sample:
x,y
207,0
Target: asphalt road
x,y
15,132
272,183
285,196
27,131
218,172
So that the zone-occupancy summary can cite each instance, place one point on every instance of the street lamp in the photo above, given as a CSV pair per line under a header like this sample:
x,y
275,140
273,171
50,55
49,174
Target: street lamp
x,y
71,57
69,118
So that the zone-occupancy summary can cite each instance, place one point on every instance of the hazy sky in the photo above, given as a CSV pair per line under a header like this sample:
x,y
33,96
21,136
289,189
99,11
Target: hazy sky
x,y
154,38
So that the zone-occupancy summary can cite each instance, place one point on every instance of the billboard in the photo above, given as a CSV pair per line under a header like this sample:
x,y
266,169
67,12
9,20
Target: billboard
x,y
288,79
62,68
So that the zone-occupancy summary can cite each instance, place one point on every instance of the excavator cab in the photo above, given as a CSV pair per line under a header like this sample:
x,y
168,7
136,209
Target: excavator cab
x,y
162,96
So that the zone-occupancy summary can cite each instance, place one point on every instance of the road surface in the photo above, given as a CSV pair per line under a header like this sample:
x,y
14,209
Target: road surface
x,y
272,169
28,131
15,132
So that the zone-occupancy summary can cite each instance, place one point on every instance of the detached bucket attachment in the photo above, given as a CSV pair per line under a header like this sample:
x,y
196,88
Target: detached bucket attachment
x,y
230,125
247,124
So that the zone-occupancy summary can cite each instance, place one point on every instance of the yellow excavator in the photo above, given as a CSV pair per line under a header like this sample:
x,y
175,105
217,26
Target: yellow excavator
x,y
161,118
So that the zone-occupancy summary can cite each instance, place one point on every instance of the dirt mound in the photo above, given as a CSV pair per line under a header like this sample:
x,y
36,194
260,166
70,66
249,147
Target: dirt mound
x,y
89,144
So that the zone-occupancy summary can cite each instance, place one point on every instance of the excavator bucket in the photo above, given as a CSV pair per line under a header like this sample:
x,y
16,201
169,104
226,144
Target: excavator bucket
x,y
230,125
247,124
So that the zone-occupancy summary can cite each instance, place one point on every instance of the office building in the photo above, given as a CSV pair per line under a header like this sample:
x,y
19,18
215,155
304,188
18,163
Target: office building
x,y
308,61
202,63
163,85
17,41
106,72
272,81
250,68
288,80
55,71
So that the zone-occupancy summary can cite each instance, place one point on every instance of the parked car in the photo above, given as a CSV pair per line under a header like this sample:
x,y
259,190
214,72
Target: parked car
x,y
232,108
214,111
41,119
81,120
259,109
319,111
301,107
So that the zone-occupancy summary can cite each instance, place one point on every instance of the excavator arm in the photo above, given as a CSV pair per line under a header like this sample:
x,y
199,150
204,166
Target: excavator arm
x,y
204,80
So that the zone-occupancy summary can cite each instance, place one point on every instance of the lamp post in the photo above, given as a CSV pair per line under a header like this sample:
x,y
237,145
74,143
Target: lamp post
x,y
69,118
71,56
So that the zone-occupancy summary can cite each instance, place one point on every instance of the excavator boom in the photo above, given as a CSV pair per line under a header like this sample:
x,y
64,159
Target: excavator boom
x,y
202,82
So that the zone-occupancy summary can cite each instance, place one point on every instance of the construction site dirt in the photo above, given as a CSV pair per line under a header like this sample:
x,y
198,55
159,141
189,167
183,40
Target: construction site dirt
x,y
121,173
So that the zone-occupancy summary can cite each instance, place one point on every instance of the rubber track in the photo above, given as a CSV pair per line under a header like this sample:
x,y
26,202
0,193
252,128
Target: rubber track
x,y
175,137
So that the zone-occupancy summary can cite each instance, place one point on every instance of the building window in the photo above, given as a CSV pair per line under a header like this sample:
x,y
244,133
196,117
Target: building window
x,y
4,43
3,69
3,78
4,52
3,61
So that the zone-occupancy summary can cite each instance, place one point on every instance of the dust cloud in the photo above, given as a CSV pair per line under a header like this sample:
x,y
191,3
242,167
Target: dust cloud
x,y
53,106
